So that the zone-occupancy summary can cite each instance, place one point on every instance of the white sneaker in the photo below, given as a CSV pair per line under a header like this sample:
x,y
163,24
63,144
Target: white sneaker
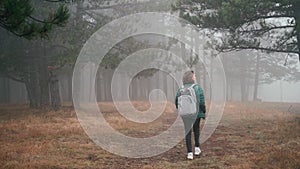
x,y
190,156
197,151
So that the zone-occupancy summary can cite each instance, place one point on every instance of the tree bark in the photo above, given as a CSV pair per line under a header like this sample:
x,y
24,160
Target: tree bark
x,y
204,77
43,78
5,96
243,89
54,90
225,65
256,78
36,83
211,76
243,79
34,86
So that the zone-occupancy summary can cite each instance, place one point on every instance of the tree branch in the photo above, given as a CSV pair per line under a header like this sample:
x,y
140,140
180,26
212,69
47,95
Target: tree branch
x,y
58,0
15,32
266,29
284,40
276,16
255,18
37,20
258,48
12,78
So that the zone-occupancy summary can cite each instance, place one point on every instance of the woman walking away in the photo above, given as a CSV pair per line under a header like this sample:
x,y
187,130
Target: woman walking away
x,y
191,106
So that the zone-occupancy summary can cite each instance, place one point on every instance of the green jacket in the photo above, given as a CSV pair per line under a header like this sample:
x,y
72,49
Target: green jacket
x,y
201,108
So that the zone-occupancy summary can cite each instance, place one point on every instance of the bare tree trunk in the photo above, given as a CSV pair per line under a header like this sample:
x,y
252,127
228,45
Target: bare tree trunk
x,y
228,90
33,87
54,92
224,61
243,89
243,78
37,90
5,96
204,81
29,94
106,84
165,81
70,88
43,78
37,78
211,75
256,77
231,90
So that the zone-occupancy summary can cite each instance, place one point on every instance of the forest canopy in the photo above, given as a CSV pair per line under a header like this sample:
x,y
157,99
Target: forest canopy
x,y
268,25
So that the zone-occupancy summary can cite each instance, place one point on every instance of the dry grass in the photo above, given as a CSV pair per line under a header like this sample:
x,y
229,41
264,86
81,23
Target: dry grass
x,y
134,129
251,135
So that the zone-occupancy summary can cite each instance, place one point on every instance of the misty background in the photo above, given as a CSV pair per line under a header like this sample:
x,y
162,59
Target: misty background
x,y
251,75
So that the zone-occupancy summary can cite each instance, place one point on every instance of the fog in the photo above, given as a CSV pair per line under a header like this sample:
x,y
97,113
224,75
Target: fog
x,y
142,84
250,75
280,91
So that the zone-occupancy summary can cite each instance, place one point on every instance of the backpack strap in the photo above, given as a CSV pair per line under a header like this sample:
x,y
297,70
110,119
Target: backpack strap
x,y
190,86
193,85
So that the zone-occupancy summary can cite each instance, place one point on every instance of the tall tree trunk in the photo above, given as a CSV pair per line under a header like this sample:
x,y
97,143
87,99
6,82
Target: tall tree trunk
x,y
43,76
5,93
228,89
29,94
225,65
36,83
243,78
35,86
32,86
54,92
43,79
204,81
243,89
37,78
165,84
231,84
256,77
70,88
211,75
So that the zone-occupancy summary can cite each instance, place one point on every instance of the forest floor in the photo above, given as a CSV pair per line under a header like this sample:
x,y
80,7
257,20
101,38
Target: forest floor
x,y
250,135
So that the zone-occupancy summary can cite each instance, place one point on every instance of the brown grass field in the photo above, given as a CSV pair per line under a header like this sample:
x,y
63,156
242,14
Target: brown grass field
x,y
250,135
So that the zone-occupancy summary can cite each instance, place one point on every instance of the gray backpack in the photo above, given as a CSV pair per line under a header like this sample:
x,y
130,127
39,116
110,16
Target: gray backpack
x,y
187,101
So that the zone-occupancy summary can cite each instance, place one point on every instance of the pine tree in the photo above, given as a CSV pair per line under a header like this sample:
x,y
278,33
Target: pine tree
x,y
268,25
17,16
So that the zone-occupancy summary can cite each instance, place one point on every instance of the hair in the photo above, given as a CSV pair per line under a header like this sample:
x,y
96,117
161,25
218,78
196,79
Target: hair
x,y
188,77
